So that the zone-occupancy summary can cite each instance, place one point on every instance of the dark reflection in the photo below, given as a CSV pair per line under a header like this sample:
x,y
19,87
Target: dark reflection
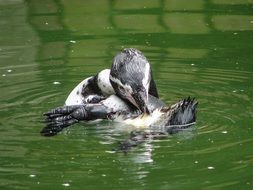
x,y
163,28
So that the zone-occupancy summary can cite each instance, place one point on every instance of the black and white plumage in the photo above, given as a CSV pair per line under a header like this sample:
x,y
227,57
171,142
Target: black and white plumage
x,y
114,108
91,90
131,78
126,93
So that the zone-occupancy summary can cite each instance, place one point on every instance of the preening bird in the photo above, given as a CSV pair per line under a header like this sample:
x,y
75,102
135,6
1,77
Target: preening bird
x,y
127,93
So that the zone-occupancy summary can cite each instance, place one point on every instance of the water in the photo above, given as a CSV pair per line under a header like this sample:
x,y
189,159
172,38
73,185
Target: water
x,y
197,48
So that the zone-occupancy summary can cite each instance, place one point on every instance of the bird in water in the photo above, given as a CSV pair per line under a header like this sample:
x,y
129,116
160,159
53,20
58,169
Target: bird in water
x,y
126,93
130,78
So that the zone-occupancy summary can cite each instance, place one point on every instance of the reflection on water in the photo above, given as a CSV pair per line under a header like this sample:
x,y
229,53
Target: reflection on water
x,y
197,48
233,22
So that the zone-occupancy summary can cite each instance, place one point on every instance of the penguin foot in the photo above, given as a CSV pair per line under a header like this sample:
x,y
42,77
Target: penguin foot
x,y
59,118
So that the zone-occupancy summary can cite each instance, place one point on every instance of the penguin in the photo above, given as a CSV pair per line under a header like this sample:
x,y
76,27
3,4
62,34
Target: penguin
x,y
125,93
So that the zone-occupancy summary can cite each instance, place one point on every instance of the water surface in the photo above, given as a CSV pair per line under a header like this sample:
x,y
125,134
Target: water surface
x,y
197,48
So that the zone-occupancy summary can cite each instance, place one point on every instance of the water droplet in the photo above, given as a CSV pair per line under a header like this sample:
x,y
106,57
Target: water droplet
x,y
111,152
72,41
66,184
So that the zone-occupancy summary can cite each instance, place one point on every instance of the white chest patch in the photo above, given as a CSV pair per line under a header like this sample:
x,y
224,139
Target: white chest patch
x,y
145,120
104,83
114,103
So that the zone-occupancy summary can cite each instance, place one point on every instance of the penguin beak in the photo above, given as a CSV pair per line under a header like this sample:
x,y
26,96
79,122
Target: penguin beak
x,y
140,100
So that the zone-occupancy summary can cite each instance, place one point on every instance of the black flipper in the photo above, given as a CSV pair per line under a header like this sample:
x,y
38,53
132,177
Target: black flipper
x,y
59,118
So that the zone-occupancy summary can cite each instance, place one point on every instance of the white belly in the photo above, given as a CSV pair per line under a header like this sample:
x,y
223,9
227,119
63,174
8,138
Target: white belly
x,y
145,120
114,103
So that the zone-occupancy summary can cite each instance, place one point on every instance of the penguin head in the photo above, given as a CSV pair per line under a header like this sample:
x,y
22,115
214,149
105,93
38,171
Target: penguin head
x,y
130,77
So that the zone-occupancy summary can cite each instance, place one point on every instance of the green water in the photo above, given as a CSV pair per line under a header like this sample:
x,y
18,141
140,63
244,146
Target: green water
x,y
197,48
